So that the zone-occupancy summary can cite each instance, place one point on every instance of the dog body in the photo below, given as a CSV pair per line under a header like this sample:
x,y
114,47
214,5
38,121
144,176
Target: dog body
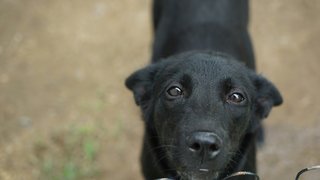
x,y
219,25
202,102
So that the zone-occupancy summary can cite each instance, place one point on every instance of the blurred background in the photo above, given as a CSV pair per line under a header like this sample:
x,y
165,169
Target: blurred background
x,y
65,113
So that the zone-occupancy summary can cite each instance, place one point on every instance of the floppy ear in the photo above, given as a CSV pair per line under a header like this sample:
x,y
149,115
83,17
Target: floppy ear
x,y
141,83
267,96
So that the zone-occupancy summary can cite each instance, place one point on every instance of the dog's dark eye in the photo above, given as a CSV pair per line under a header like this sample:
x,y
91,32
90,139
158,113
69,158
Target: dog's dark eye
x,y
235,98
174,91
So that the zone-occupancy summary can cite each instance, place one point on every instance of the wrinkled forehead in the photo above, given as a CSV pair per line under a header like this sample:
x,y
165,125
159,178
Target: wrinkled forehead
x,y
205,68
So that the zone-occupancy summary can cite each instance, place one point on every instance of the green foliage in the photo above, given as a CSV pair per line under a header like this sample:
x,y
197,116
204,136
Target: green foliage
x,y
70,154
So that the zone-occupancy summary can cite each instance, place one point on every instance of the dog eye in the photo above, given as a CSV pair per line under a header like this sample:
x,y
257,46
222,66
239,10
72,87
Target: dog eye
x,y
174,91
235,98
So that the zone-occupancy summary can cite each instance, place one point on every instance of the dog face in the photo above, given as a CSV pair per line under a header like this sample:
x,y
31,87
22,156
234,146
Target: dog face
x,y
200,105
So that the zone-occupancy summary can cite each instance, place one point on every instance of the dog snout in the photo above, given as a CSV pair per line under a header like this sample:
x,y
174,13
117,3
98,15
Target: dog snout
x,y
204,144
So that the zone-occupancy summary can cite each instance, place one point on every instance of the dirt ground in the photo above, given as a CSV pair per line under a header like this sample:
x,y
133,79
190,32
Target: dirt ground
x,y
65,113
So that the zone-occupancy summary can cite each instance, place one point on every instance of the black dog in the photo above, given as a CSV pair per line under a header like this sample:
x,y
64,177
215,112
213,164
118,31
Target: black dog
x,y
203,103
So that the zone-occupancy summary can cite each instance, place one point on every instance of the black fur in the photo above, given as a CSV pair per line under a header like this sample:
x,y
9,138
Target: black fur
x,y
202,53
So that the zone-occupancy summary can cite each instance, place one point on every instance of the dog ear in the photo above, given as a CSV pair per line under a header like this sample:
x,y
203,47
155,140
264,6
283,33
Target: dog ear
x,y
141,83
267,96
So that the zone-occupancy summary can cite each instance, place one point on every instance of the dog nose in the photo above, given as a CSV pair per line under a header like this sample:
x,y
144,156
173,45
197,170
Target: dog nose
x,y
206,144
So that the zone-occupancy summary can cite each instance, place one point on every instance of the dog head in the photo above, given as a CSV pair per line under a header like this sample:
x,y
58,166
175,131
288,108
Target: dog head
x,y
200,105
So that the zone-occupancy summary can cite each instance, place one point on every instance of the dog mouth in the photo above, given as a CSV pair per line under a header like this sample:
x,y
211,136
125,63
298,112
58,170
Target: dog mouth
x,y
197,169
200,174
